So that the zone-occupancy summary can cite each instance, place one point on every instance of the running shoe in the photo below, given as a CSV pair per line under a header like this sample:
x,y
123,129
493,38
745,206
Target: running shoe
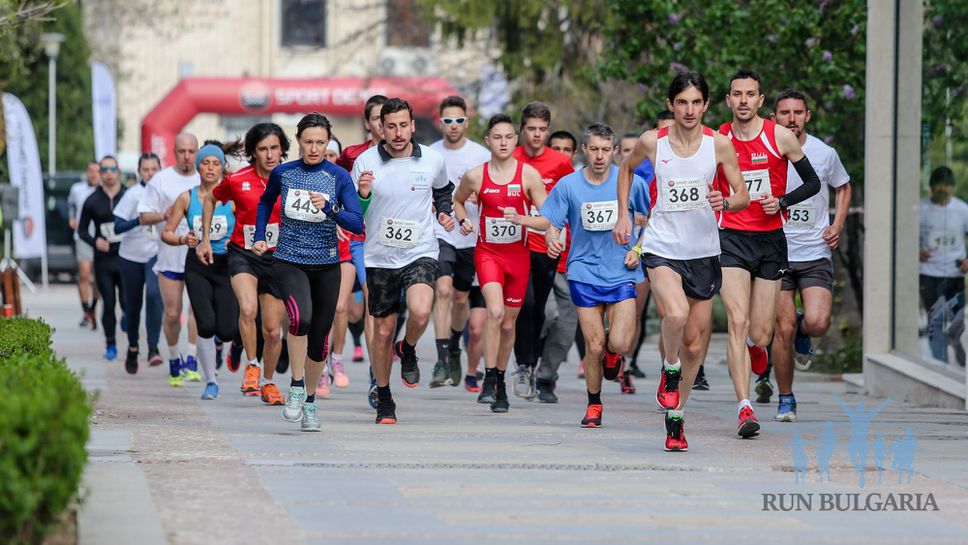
x,y
174,372
634,370
250,380
612,368
357,354
218,352
211,391
85,322
593,416
488,391
111,352
131,362
748,425
409,371
372,395
386,412
340,380
293,410
191,370
154,357
471,384
524,381
271,396
667,395
92,320
546,391
675,433
787,409
763,389
627,386
581,370
700,383
176,382
441,377
802,347
454,369
500,404
310,418
322,386
234,360
758,359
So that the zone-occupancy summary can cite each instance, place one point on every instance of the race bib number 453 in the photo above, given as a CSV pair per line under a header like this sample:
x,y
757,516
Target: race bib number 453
x,y
399,233
801,216
684,195
299,206
599,216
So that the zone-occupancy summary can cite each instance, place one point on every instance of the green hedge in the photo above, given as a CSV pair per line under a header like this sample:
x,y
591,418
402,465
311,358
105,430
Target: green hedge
x,y
44,415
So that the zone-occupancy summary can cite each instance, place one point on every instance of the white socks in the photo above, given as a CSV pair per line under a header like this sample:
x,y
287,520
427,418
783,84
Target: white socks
x,y
206,357
173,352
671,366
744,403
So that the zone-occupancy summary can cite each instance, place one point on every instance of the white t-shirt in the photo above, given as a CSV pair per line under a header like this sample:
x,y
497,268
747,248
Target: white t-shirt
x,y
79,193
139,244
459,161
160,193
943,230
400,218
807,220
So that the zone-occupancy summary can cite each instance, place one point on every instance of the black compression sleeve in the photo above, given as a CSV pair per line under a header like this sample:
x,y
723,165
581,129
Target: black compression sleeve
x,y
810,187
444,198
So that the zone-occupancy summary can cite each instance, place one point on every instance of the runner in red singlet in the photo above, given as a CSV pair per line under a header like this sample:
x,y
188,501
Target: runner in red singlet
x,y
506,188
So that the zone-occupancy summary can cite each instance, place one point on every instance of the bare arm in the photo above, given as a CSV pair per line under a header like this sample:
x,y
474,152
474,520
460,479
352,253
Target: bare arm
x,y
726,158
470,183
178,210
644,149
534,189
832,234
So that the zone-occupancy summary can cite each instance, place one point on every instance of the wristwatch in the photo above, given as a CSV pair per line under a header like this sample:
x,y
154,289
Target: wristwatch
x,y
725,205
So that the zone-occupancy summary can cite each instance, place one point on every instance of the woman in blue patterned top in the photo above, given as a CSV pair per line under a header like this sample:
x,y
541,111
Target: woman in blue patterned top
x,y
316,196
209,289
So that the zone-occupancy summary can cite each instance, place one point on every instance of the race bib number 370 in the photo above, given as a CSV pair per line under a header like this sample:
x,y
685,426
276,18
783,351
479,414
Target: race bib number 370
x,y
501,231
399,233
299,206
599,216
684,195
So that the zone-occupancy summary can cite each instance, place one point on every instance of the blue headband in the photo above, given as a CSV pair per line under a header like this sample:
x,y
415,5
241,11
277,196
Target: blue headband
x,y
210,150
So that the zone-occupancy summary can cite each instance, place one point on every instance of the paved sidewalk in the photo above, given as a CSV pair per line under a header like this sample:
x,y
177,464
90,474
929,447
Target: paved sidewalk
x,y
166,467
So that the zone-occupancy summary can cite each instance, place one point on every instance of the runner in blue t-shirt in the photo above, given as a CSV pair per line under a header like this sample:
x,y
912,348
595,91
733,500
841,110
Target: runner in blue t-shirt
x,y
601,274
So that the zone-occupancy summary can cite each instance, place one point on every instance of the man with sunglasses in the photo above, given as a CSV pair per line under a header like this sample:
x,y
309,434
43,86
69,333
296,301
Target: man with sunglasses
x,y
98,210
455,274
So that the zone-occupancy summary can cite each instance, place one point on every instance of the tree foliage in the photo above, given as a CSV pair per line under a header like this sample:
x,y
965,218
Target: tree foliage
x,y
944,68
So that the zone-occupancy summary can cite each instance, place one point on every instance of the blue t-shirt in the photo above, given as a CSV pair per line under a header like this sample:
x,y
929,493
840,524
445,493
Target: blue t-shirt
x,y
223,212
646,171
594,258
302,240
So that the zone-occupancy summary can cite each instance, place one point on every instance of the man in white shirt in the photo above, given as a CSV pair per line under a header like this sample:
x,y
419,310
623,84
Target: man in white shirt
x,y
943,226
160,193
810,238
456,259
84,253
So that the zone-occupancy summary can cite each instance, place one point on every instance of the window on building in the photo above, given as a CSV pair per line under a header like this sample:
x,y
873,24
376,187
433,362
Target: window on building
x,y
405,25
303,23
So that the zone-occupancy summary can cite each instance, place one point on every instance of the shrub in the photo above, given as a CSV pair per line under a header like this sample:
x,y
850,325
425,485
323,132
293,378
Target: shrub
x,y
43,430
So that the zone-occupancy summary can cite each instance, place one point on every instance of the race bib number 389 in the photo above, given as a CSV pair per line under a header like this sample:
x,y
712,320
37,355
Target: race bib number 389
x,y
399,233
299,206
599,216
272,235
684,195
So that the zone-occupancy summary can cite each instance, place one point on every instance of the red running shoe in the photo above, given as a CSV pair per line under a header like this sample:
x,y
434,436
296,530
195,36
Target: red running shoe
x,y
675,434
612,368
758,359
667,395
748,425
627,386
593,417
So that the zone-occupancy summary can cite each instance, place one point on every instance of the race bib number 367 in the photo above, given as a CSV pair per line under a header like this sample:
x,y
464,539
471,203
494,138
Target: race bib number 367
x,y
599,216
399,233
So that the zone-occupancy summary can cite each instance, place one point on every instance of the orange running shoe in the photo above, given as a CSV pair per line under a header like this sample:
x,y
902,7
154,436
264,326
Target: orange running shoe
x,y
593,416
250,383
271,395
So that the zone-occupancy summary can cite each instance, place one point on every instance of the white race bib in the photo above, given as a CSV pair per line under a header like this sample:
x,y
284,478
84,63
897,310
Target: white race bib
x,y
533,212
300,207
216,231
801,216
684,195
150,231
758,183
945,241
399,233
599,216
272,235
107,231
501,231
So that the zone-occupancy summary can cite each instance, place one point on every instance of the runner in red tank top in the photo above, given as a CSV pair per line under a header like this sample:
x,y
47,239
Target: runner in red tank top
x,y
266,145
505,189
754,250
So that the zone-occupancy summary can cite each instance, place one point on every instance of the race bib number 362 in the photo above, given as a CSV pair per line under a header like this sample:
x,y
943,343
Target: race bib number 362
x,y
599,216
684,195
399,233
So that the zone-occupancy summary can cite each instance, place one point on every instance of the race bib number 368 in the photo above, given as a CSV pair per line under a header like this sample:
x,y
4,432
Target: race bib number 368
x,y
599,216
684,195
399,233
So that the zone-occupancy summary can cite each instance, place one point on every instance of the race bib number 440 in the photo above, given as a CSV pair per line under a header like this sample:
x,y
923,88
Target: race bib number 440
x,y
684,195
299,206
218,229
758,184
501,231
399,233
272,235
599,216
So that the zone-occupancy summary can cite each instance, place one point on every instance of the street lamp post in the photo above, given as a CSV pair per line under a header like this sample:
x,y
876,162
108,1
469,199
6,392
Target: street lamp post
x,y
52,43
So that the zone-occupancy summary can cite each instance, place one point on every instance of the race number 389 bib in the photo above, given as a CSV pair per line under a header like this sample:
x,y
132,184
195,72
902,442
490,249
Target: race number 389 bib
x,y
599,216
272,235
801,216
501,231
218,229
399,233
684,195
758,183
107,231
299,206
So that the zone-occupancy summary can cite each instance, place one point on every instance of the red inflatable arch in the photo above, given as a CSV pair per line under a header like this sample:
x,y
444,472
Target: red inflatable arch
x,y
255,96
